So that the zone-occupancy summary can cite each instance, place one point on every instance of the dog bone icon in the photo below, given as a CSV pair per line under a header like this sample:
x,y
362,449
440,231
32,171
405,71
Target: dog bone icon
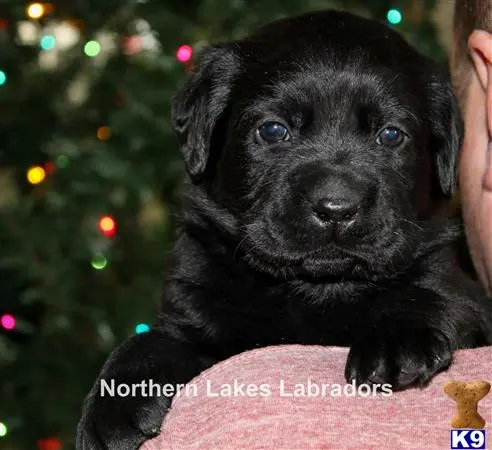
x,y
467,395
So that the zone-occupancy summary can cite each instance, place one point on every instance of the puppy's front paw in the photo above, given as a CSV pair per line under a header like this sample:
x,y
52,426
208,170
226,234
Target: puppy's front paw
x,y
119,423
399,356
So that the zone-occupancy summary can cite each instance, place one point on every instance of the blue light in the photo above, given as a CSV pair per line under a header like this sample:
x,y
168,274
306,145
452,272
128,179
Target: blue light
x,y
3,78
142,328
48,42
394,16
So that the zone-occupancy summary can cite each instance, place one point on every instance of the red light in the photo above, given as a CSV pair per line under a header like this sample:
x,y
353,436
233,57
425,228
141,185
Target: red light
x,y
184,53
132,44
107,225
49,167
8,321
49,444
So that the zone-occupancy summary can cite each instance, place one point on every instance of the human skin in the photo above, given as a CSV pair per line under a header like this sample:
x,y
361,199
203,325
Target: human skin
x,y
476,160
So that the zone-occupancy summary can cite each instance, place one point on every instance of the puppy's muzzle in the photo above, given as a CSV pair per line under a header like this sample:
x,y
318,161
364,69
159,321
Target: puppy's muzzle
x,y
336,200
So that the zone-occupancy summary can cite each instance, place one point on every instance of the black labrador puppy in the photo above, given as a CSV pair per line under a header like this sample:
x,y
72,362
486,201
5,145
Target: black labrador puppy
x,y
319,150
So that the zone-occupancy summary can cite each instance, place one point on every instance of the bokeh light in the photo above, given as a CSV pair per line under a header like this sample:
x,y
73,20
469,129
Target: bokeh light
x,y
394,16
107,225
99,261
49,167
47,42
92,48
3,429
35,10
3,77
36,175
7,321
51,443
142,328
184,53
103,133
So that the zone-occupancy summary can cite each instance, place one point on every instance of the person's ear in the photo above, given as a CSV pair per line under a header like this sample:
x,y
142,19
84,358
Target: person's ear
x,y
199,105
447,131
480,48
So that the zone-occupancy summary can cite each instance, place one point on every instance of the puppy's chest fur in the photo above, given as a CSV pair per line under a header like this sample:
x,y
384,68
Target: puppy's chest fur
x,y
231,307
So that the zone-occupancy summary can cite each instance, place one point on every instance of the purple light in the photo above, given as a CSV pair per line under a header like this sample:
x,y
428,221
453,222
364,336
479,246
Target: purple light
x,y
184,53
8,321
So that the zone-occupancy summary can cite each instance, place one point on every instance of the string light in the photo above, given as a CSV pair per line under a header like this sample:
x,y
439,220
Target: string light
x,y
35,10
8,321
3,429
103,133
132,44
99,261
184,53
107,226
52,443
47,42
394,16
92,48
36,175
142,328
3,77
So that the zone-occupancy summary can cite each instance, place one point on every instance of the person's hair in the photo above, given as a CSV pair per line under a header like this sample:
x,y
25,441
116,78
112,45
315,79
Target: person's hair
x,y
469,15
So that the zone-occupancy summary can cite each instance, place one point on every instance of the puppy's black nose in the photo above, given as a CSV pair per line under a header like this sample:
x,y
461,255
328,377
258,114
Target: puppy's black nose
x,y
336,209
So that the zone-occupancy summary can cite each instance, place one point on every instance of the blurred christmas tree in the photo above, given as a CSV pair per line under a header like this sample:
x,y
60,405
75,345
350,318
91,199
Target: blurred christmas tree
x,y
89,169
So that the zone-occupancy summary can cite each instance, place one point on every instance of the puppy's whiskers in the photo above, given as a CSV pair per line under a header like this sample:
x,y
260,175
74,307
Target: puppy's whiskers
x,y
238,247
244,240
401,219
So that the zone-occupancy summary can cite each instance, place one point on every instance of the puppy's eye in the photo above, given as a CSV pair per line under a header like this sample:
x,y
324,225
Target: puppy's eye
x,y
272,132
391,137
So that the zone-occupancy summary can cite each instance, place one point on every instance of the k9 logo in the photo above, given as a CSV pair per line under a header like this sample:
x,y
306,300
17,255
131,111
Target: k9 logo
x,y
468,439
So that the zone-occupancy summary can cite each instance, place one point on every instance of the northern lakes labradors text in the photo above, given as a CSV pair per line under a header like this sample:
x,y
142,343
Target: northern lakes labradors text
x,y
236,388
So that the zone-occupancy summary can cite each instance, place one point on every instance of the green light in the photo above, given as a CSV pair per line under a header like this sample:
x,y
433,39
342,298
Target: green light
x,y
47,42
99,261
92,48
3,78
3,429
394,16
62,161
142,328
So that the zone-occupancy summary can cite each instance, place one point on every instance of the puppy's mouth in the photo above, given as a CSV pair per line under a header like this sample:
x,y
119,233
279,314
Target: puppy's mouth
x,y
266,252
380,253
328,263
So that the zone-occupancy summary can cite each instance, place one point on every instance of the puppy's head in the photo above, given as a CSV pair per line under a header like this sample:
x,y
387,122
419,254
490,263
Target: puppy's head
x,y
327,137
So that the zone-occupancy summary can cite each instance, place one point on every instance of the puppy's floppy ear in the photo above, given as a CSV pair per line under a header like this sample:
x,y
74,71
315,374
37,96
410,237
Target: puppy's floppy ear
x,y
198,106
446,131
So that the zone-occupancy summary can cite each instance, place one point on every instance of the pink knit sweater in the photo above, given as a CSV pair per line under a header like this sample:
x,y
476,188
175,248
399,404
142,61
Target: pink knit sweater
x,y
292,410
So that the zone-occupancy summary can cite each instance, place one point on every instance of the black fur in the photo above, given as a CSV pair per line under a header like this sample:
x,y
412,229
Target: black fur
x,y
255,266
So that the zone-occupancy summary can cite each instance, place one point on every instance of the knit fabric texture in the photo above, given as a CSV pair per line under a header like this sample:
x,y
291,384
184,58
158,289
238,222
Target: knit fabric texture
x,y
296,400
